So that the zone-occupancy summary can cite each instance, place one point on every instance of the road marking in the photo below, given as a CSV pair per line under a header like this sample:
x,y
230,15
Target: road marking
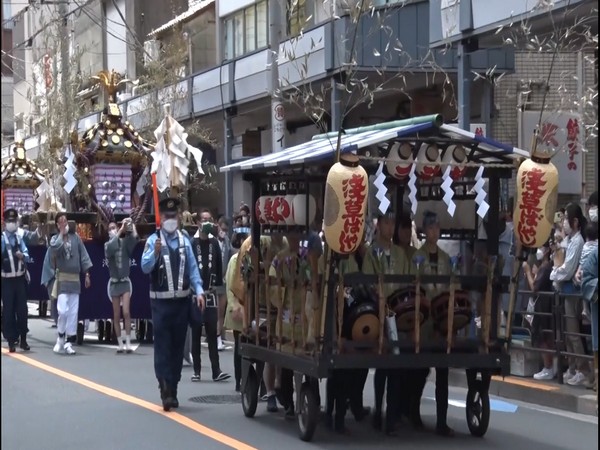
x,y
495,405
174,416
529,384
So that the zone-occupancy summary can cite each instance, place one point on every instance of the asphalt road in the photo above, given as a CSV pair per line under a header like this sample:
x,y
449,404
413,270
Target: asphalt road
x,y
100,400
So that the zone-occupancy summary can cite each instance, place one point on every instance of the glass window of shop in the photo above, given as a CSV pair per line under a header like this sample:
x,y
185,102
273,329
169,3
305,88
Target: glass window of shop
x,y
246,30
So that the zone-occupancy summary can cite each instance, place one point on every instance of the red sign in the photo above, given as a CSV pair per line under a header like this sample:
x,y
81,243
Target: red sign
x,y
532,189
354,190
572,142
275,210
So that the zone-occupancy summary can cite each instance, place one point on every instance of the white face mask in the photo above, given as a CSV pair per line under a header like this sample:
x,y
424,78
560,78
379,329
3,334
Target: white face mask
x,y
593,213
567,228
539,254
170,225
11,227
112,233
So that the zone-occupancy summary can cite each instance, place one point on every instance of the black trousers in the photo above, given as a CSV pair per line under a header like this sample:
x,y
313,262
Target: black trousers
x,y
14,311
170,318
357,379
211,317
237,359
287,387
392,378
441,396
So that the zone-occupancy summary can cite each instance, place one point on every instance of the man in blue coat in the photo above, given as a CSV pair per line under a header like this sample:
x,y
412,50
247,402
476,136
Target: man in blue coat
x,y
169,260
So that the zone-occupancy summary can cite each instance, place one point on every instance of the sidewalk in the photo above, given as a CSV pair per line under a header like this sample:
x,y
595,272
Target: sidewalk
x,y
544,393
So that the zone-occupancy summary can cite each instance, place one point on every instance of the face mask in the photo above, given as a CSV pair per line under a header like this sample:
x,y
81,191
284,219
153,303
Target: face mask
x,y
539,254
206,227
11,227
112,233
593,213
567,228
170,225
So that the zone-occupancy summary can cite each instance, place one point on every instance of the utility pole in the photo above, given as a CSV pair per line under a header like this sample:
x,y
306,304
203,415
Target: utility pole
x,y
277,108
63,10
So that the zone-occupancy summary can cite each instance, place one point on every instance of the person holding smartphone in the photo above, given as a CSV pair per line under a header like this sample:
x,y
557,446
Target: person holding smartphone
x,y
118,251
210,265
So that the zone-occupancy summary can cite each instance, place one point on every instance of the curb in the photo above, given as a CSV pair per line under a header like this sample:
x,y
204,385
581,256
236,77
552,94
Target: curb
x,y
550,395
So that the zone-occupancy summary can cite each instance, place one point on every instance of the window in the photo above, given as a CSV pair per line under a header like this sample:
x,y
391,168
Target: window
x,y
299,16
246,31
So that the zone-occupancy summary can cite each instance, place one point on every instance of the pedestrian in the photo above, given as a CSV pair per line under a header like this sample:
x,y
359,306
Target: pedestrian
x,y
15,256
70,259
169,260
226,252
210,265
118,251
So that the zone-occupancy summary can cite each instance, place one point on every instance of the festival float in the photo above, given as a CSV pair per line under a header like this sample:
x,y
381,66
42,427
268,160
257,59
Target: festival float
x,y
308,311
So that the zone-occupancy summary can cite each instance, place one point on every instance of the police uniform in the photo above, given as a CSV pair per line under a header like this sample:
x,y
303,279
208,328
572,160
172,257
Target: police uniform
x,y
14,284
173,276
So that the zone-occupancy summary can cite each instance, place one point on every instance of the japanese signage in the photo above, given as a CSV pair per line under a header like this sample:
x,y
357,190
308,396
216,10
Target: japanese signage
x,y
355,193
563,135
278,126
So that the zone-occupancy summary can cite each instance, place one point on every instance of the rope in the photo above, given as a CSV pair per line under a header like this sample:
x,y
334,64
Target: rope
x,y
451,163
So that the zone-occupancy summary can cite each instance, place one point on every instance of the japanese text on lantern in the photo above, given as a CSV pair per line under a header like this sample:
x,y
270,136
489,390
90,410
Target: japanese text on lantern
x,y
572,142
532,191
354,197
277,210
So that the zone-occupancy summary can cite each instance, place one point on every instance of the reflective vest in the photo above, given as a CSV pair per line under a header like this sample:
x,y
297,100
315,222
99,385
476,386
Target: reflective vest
x,y
12,267
170,277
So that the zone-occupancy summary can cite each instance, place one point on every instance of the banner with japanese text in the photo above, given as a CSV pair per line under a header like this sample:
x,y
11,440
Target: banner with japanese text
x,y
562,133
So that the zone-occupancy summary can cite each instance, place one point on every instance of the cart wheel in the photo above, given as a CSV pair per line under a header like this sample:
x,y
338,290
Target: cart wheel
x,y
308,412
149,332
100,329
478,409
250,393
80,331
140,330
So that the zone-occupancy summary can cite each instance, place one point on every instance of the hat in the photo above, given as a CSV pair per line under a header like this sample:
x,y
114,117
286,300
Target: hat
x,y
169,205
430,218
11,214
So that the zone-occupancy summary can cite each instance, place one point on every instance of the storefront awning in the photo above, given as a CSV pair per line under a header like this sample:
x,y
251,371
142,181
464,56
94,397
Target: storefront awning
x,y
321,149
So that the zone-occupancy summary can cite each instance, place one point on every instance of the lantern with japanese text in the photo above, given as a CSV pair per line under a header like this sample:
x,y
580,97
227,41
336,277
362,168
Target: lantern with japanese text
x,y
399,160
345,204
304,213
20,178
536,199
429,161
455,157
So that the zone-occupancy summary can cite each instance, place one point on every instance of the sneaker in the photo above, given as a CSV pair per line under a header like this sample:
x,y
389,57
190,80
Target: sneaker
x,y
222,376
544,375
196,377
272,404
264,398
69,350
59,347
220,345
578,379
568,375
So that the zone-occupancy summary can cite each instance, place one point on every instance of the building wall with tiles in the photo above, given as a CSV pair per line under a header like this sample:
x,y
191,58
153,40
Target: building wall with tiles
x,y
562,95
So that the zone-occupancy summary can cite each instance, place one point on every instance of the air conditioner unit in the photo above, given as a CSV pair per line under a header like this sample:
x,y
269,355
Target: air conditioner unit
x,y
151,51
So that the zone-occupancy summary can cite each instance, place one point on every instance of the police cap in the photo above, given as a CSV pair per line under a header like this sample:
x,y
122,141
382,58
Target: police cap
x,y
11,215
169,205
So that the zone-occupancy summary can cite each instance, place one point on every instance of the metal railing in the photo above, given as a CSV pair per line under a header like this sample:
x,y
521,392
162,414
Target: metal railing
x,y
558,328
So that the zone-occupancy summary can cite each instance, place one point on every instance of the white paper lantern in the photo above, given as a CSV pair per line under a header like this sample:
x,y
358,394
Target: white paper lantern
x,y
456,157
300,210
429,161
399,160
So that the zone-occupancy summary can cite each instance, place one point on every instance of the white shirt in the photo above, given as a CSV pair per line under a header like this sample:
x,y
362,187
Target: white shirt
x,y
566,272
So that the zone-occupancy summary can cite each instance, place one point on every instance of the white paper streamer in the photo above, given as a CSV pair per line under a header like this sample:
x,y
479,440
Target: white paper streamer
x,y
483,206
379,183
69,174
448,192
412,189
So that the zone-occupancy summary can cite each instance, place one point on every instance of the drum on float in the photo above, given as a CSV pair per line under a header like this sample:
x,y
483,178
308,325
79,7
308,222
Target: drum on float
x,y
462,310
361,320
403,302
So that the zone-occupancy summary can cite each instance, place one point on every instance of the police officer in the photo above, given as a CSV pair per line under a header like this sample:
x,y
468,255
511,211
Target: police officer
x,y
14,283
169,260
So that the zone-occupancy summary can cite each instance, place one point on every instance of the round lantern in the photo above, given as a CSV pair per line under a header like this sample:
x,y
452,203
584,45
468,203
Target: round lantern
x,y
345,204
303,217
261,207
400,160
535,201
455,156
280,212
429,161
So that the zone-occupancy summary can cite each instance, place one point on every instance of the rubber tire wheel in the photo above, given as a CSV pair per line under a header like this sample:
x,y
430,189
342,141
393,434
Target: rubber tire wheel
x,y
140,330
80,332
100,329
308,412
250,394
149,332
478,409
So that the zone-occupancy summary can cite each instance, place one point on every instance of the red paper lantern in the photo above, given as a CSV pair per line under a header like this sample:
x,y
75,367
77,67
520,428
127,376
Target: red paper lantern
x,y
536,200
345,204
